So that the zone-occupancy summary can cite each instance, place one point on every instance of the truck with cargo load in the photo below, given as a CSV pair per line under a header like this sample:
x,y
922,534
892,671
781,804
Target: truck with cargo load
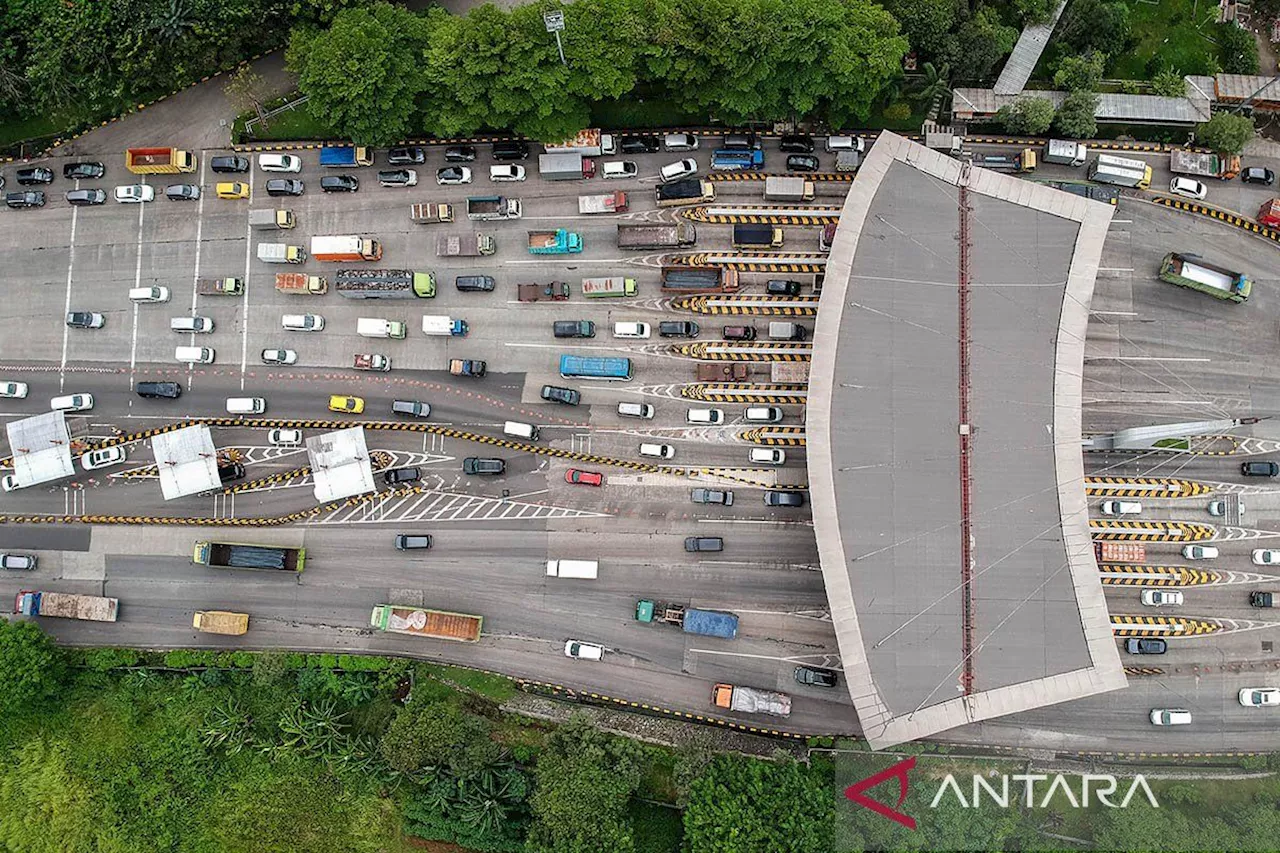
x,y
686,191
1120,552
656,235
345,247
471,245
706,623
723,371
232,555
371,361
752,236
611,286
301,283
427,213
467,367
699,280
67,605
220,286
1106,195
377,327
737,160
337,156
782,188
281,253
828,236
437,325
1023,161
1203,164
159,161
1065,152
751,700
384,284
220,622
1120,171
1193,272
422,622
615,202
590,143
556,291
282,219
565,166
944,139
848,161
789,372
580,569
557,242
485,208
1269,213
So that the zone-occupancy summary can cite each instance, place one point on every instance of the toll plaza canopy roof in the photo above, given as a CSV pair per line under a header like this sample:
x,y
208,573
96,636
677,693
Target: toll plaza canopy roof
x,y
187,461
340,464
41,448
919,446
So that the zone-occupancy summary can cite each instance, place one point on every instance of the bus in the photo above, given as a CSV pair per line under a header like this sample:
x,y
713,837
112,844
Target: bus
x,y
584,367
1121,171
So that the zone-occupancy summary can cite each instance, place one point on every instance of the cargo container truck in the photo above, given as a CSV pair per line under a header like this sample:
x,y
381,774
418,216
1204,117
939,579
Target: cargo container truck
x,y
706,623
438,325
1065,152
220,286
750,700
377,327
220,622
301,283
699,280
1120,171
580,569
1193,272
427,213
671,235
556,291
750,236
590,143
281,253
1023,161
827,237
159,161
471,245
338,156
421,622
1120,552
1221,166
282,219
565,166
384,284
686,191
779,188
371,361
557,242
611,286
233,555
66,605
347,247
606,203
484,208
736,160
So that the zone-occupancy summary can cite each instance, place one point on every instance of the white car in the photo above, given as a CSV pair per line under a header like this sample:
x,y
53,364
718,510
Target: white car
x,y
1188,188
1259,697
279,356
453,175
1266,557
1200,552
705,416
680,142
1219,507
619,169
1170,717
767,456
659,451
583,651
1121,508
1161,597
95,459
14,390
680,169
506,172
135,194
279,163
631,330
8,482
302,322
284,437
71,403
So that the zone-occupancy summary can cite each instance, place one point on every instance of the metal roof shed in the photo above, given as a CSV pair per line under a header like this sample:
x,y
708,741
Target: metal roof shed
x,y
340,464
41,447
187,460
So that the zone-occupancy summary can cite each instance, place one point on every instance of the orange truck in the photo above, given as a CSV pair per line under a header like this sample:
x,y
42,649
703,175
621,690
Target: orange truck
x,y
159,161
421,622
347,247
1120,552
297,282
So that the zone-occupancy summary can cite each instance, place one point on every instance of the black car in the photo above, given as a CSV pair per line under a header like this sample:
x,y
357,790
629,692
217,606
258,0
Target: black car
x,y
474,283
678,329
284,186
796,143
86,196
802,163
694,544
229,165
410,156
478,465
573,329
182,192
814,676
339,184
154,390
1145,646
782,287
1258,175
1259,469
792,499
71,171
556,394
231,472
30,198
33,175
511,150
741,141
459,153
412,541
638,145
396,476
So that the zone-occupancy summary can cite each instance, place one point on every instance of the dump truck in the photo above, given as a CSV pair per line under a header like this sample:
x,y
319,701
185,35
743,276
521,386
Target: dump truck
x,y
1065,152
371,361
658,235
557,242
421,622
438,325
580,569
234,555
780,188
484,208
67,605
699,280
590,142
384,284
427,213
467,367
1120,552
301,283
606,203
751,236
271,219
220,622
1193,272
220,286
723,371
379,327
706,623
611,286
1023,161
281,253
159,161
1269,213
685,191
338,156
1204,165
565,166
789,372
751,700
556,291
471,245
347,247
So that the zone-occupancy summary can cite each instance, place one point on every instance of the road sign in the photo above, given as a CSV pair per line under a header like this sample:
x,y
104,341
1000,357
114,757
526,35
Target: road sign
x,y
554,21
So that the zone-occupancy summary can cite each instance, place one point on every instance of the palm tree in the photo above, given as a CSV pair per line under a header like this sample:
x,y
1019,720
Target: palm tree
x,y
172,23
934,88
227,727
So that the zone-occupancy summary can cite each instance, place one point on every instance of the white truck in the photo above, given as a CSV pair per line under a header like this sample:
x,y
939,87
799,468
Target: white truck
x,y
271,219
581,569
1065,152
751,700
281,253
376,327
782,188
441,325
471,245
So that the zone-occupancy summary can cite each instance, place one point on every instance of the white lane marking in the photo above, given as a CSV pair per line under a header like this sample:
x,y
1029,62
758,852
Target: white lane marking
x,y
1143,358
137,282
195,278
71,258
796,522
244,337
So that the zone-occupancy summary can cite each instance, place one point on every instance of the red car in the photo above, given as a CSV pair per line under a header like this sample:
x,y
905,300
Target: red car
x,y
583,478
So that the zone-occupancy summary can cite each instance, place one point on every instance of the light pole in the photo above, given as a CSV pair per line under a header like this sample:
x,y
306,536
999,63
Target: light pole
x,y
555,23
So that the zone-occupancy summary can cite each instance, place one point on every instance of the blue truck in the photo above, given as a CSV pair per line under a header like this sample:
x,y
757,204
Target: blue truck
x,y
706,623
736,160
557,242
338,156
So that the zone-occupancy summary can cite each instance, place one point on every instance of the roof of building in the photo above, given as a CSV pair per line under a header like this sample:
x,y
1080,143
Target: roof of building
x,y
187,461
1192,109
924,648
1238,87
41,448
1026,53
340,464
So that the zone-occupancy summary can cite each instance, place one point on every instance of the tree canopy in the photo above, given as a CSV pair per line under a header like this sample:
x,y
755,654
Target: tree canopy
x,y
31,666
1225,132
782,807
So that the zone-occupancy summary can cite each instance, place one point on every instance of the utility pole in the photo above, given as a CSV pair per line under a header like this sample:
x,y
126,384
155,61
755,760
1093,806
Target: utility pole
x,y
555,23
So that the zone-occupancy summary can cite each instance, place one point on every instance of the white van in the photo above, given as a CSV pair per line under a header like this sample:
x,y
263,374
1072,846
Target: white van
x,y
636,410
148,294
199,325
631,330
846,143
619,169
768,456
1121,508
246,405
302,322
72,403
705,416
194,355
528,432
659,451
279,163
582,569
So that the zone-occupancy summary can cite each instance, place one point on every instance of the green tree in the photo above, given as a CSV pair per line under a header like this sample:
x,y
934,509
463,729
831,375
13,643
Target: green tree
x,y
46,808
362,76
1169,83
1076,117
1237,48
1030,116
1226,132
31,666
424,734
984,42
1080,73
1101,25
934,87
928,25
780,806
1035,11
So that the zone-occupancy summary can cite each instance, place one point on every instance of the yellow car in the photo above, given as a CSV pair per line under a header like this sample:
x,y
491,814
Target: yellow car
x,y
354,405
233,189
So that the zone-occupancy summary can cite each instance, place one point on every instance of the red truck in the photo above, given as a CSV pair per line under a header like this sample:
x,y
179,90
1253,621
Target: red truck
x,y
371,361
556,291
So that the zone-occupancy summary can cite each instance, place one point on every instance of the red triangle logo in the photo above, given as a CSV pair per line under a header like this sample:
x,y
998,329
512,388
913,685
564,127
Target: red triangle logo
x,y
899,770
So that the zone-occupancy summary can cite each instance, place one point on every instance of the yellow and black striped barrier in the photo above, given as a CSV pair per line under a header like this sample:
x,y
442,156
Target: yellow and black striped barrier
x,y
1134,575
1161,626
1114,530
1228,217
1143,487
745,351
1143,670
760,214
776,437
748,304
834,177
781,395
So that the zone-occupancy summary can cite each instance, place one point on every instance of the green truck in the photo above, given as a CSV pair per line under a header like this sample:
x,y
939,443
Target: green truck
x,y
1193,272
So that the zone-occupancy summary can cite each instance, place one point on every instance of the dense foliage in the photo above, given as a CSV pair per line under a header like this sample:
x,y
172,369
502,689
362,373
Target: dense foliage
x,y
1027,115
1225,132
783,807
30,666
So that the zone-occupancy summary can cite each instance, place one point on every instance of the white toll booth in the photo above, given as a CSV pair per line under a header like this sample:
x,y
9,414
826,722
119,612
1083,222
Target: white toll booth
x,y
583,569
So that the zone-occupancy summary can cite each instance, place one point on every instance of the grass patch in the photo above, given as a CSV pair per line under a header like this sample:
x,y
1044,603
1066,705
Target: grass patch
x,y
40,127
1174,443
494,687
288,126
659,779
1171,34
657,829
